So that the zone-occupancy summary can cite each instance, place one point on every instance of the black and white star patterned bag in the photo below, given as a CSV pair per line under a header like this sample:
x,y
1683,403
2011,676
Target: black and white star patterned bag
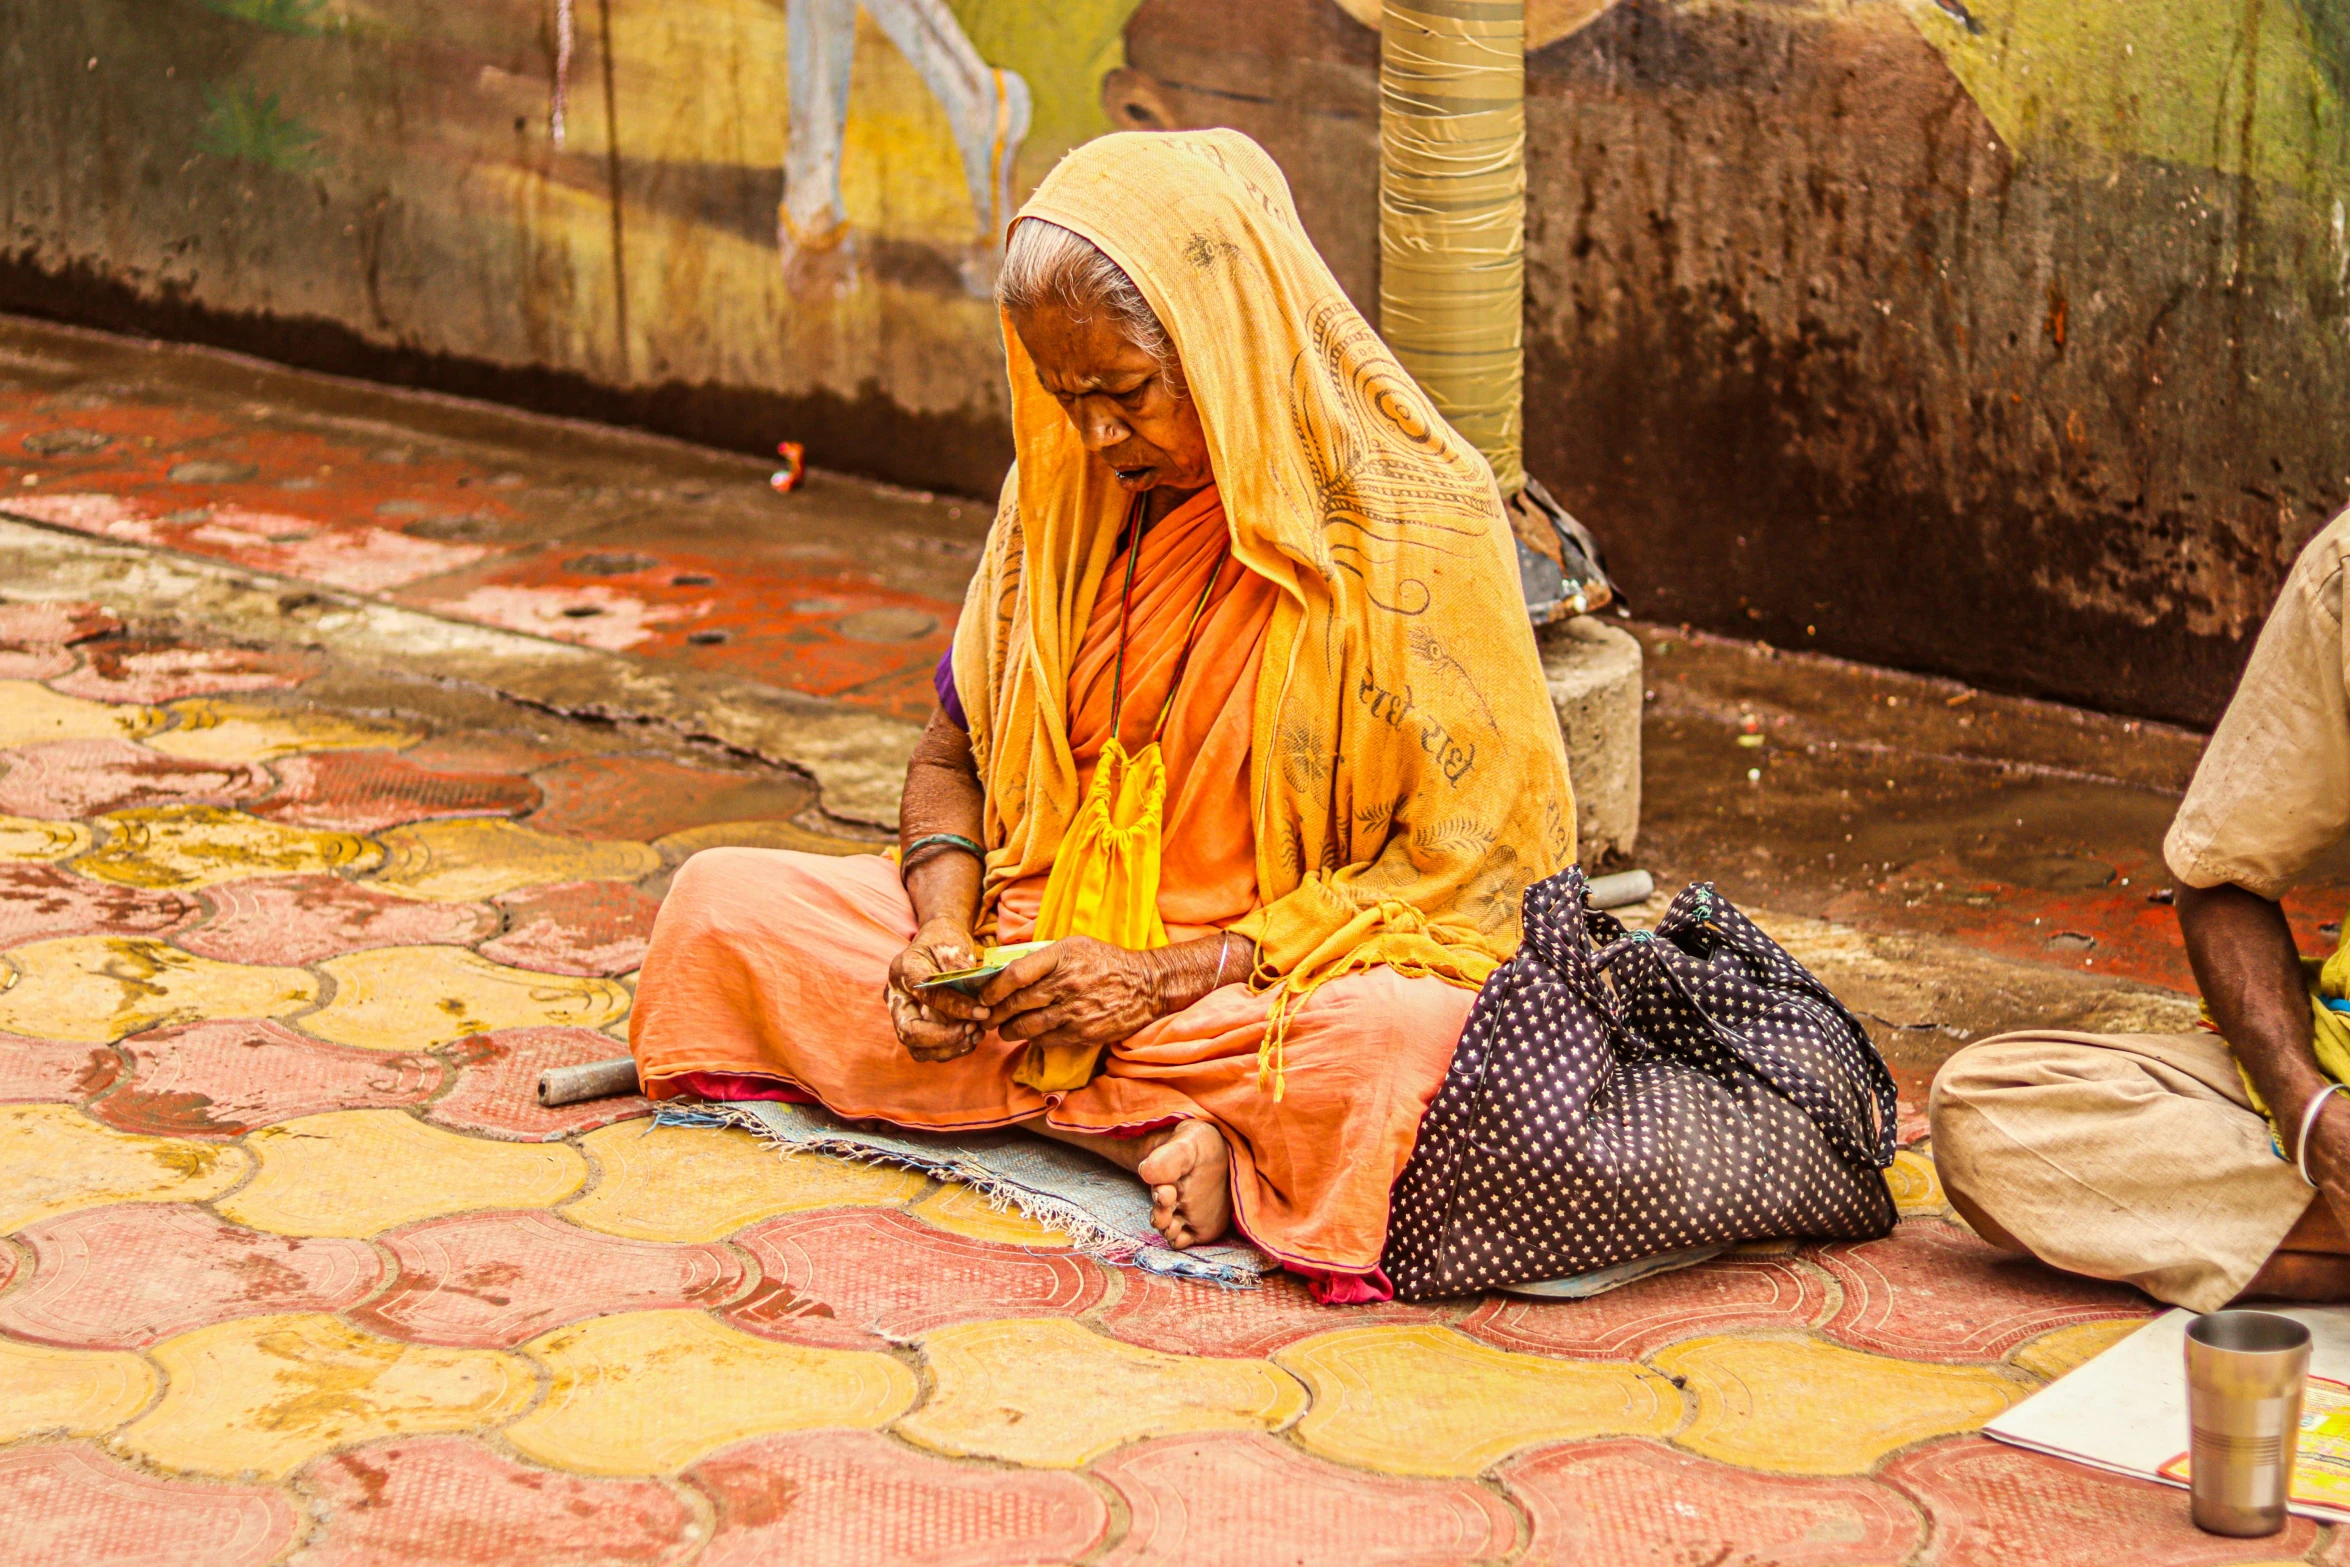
x,y
1653,1093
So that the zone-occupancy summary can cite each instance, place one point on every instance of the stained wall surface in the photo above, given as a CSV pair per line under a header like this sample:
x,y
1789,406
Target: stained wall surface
x,y
2007,340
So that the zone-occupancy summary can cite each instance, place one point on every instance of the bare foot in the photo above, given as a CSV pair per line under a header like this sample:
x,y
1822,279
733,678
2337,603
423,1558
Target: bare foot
x,y
1189,1172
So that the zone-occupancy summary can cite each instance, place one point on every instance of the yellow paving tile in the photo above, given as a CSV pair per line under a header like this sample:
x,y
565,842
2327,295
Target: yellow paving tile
x,y
204,845
360,1172
474,858
28,838
79,1392
413,998
964,1211
32,714
54,1159
267,1394
695,1183
1425,1400
224,729
1050,1393
1915,1186
649,1392
2053,1354
761,835
1803,1406
96,989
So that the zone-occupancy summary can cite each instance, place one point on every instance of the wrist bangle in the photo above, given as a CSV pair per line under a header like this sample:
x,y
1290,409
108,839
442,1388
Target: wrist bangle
x,y
1223,955
938,840
2317,1102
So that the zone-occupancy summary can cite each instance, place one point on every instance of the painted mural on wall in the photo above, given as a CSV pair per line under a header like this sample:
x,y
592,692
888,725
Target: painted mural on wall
x,y
2028,300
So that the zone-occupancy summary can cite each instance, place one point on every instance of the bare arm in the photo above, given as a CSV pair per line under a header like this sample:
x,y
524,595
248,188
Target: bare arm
x,y
943,795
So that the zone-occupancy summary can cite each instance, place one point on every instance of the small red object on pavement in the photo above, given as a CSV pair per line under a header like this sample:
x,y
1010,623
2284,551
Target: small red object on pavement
x,y
795,467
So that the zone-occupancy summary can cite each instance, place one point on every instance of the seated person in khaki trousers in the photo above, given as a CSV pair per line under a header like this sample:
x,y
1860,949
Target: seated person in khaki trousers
x,y
2145,1157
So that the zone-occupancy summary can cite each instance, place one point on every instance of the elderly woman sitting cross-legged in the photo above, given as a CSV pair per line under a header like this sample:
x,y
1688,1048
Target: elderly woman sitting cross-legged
x,y
1243,717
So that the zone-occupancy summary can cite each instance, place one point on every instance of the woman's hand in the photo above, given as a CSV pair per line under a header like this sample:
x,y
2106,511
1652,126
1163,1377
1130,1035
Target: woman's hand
x,y
937,1025
1078,991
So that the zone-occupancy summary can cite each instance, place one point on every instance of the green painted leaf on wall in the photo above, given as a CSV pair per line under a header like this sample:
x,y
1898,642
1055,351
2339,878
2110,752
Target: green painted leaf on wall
x,y
247,127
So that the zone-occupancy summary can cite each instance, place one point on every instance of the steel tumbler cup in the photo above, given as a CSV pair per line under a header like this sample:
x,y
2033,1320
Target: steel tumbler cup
x,y
2245,1371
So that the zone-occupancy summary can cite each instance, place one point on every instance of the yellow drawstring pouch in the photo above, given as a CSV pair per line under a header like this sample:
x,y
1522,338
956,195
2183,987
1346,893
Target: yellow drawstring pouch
x,y
1105,878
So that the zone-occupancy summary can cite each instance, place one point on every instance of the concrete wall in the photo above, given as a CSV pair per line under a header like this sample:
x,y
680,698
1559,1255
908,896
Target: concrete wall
x,y
2003,338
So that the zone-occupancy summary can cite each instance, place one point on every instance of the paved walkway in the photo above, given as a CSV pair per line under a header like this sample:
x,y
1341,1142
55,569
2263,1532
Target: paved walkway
x,y
296,1270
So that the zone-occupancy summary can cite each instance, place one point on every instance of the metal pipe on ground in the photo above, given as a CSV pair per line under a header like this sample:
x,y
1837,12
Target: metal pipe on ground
x,y
570,1085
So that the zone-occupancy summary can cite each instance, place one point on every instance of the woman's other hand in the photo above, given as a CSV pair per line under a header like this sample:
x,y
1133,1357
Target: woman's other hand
x,y
1078,991
937,1025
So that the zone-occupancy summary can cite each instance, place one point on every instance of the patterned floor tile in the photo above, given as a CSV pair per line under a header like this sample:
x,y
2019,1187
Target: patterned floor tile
x,y
1722,1296
1427,1401
415,998
652,1391
1221,1501
44,902
32,714
147,669
858,1278
54,1071
37,840
123,1277
1634,1504
1999,1506
854,1499
35,663
693,1183
91,777
1800,1406
224,1079
2051,1355
56,623
462,861
1915,1184
69,1505
368,791
647,797
1050,1393
223,729
964,1210
361,1172
1184,1319
53,1160
493,1280
268,1394
301,919
576,927
102,988
72,1392
448,1501
678,847
200,845
498,1078
1934,1291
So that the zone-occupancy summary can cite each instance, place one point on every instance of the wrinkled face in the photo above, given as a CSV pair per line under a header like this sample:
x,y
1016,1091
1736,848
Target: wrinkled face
x,y
1127,410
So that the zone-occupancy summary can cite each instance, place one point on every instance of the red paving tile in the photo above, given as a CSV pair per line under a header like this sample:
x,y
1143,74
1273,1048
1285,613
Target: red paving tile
x,y
280,535
69,1505
497,1092
91,777
1722,1296
643,797
1624,1503
1933,1291
301,919
38,901
575,927
449,1501
154,670
125,1276
1996,1506
222,1079
497,1279
1186,1319
856,1499
54,623
849,1277
54,1071
1205,1501
367,791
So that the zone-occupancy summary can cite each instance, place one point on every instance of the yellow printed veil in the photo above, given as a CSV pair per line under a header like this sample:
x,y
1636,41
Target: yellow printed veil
x,y
1407,779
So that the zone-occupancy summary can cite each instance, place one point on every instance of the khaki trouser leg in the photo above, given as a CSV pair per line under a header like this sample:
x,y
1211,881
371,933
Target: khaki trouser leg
x,y
2128,1156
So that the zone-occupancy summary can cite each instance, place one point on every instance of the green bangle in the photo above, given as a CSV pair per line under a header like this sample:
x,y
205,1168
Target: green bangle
x,y
950,840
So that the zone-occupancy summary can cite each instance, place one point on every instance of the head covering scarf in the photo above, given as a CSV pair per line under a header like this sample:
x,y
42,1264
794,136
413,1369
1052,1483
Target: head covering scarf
x,y
1407,780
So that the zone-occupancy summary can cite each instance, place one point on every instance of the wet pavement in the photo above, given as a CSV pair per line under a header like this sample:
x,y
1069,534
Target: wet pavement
x,y
325,827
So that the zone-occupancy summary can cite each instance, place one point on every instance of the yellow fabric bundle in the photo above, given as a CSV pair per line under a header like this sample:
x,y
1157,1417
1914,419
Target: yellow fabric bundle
x,y
1407,777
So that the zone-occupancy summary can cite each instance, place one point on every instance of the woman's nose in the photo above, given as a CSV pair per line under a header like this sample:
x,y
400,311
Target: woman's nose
x,y
1100,428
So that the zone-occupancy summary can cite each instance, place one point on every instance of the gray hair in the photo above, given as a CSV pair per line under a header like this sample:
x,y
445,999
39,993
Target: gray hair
x,y
1046,264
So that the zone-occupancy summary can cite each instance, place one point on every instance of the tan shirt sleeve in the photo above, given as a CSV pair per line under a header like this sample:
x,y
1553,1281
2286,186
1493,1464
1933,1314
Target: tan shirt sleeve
x,y
2273,789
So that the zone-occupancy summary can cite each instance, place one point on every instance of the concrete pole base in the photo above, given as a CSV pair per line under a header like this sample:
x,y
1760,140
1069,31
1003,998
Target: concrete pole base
x,y
1594,672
